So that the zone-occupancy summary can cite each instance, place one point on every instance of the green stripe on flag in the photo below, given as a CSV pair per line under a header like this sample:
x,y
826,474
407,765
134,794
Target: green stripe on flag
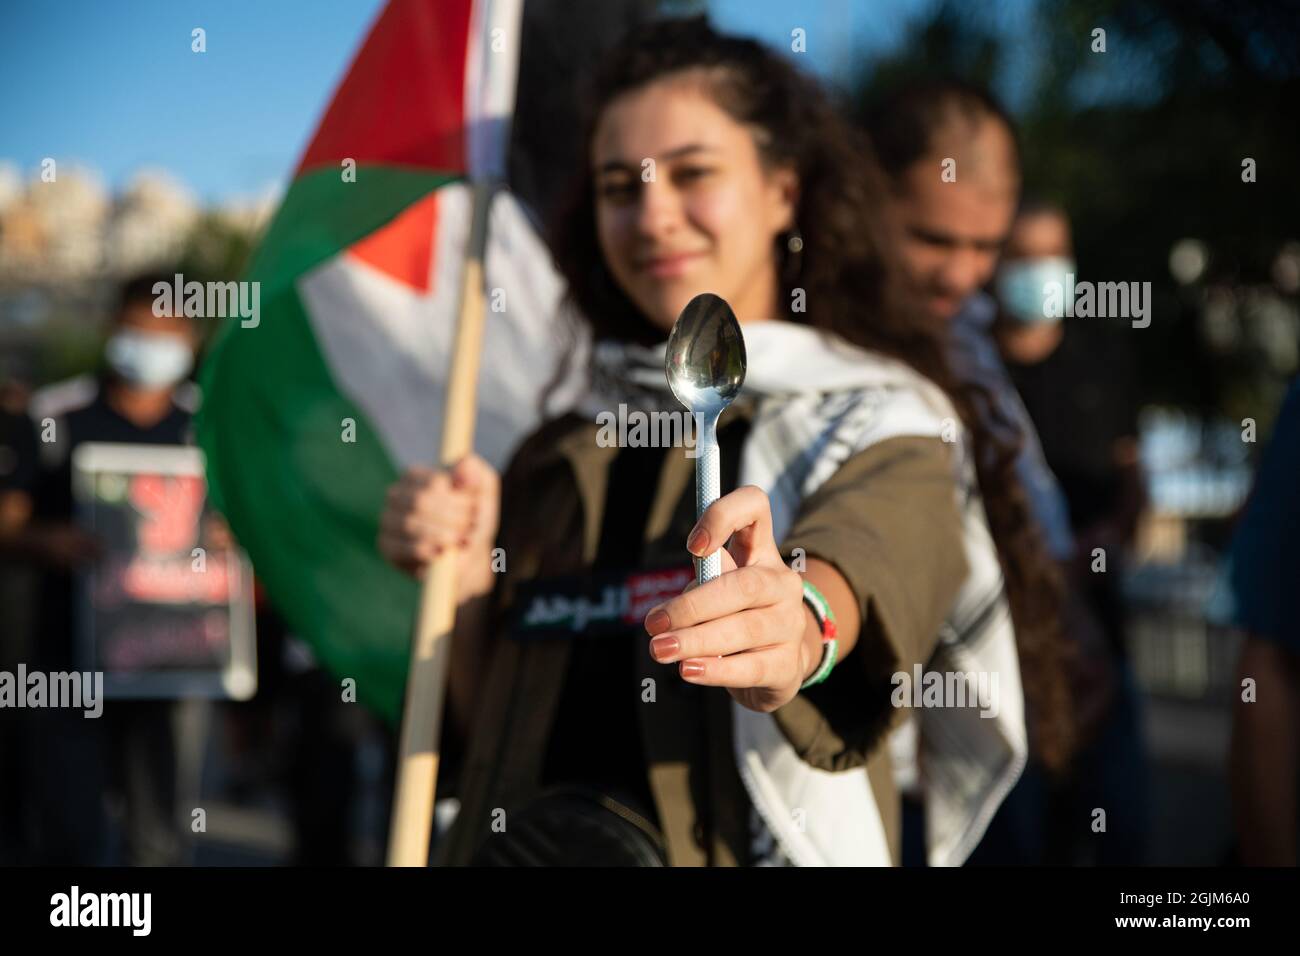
x,y
322,215
302,502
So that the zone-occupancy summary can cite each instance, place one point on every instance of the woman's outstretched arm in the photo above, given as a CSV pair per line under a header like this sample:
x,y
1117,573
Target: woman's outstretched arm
x,y
881,539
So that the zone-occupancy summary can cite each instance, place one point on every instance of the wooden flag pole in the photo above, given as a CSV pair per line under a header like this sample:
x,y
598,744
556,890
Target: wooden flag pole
x,y
426,683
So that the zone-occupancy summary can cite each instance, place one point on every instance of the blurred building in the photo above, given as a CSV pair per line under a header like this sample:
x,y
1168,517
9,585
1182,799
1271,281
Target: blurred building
x,y
11,185
56,228
66,246
71,213
74,230
150,225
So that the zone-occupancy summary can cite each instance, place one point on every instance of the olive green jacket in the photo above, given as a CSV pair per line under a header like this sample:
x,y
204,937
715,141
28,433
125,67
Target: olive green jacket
x,y
887,520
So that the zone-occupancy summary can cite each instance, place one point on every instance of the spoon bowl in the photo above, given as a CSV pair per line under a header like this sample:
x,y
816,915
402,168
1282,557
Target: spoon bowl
x,y
705,366
705,363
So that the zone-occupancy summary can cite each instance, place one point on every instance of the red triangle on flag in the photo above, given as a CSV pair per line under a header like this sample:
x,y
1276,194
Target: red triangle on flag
x,y
403,249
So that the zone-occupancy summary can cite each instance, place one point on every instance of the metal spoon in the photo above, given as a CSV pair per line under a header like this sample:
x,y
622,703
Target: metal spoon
x,y
705,366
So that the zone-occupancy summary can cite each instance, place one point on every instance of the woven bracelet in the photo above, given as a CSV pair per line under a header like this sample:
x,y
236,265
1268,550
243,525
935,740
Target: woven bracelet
x,y
821,610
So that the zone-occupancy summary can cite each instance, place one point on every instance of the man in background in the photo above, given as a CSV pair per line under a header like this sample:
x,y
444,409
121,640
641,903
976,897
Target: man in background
x,y
296,728
952,158
140,395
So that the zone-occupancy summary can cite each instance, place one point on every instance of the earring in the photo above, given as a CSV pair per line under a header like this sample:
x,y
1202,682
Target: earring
x,y
793,264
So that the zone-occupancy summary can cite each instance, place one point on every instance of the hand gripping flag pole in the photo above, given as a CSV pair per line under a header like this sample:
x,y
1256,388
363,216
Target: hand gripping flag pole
x,y
489,100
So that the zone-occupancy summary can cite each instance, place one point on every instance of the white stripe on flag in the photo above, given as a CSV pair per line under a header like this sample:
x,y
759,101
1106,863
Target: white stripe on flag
x,y
491,75
386,344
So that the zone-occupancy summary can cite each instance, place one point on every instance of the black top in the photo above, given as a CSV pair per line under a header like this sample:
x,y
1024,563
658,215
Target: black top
x,y
596,737
1081,399
94,420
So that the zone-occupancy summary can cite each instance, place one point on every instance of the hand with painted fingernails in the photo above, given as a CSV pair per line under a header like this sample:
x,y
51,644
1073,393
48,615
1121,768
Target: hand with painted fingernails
x,y
747,630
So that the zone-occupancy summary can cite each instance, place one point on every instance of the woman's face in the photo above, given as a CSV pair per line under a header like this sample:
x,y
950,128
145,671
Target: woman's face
x,y
683,204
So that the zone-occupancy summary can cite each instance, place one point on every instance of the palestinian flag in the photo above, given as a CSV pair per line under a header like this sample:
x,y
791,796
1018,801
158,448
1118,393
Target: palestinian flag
x,y
311,413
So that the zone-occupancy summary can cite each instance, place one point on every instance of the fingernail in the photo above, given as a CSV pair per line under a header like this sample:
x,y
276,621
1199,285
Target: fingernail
x,y
656,621
664,647
692,668
697,542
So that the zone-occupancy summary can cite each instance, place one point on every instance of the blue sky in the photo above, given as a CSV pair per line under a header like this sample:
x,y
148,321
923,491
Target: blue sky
x,y
113,84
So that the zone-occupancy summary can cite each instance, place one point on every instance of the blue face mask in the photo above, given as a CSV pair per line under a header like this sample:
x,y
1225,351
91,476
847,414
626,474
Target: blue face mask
x,y
1022,286
150,361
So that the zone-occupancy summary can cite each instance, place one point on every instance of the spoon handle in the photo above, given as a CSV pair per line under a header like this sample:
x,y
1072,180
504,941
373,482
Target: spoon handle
x,y
708,487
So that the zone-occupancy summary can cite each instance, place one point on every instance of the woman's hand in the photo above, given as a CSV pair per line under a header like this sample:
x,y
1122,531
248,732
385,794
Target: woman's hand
x,y
747,630
428,511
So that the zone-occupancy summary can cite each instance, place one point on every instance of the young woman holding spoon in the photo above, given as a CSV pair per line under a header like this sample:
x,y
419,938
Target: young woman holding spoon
x,y
713,166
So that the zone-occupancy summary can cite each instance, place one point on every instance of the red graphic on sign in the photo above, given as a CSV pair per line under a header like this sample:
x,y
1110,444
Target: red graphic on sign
x,y
169,507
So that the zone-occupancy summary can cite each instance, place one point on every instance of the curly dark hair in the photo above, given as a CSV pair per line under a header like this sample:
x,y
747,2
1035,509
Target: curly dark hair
x,y
852,287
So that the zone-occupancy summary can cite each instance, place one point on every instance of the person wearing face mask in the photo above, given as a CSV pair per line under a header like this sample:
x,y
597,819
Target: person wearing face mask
x,y
1077,384
1032,329
142,395
139,396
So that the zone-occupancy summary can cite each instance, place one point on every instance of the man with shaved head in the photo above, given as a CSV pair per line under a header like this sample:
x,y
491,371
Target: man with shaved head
x,y
953,161
952,158
953,164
